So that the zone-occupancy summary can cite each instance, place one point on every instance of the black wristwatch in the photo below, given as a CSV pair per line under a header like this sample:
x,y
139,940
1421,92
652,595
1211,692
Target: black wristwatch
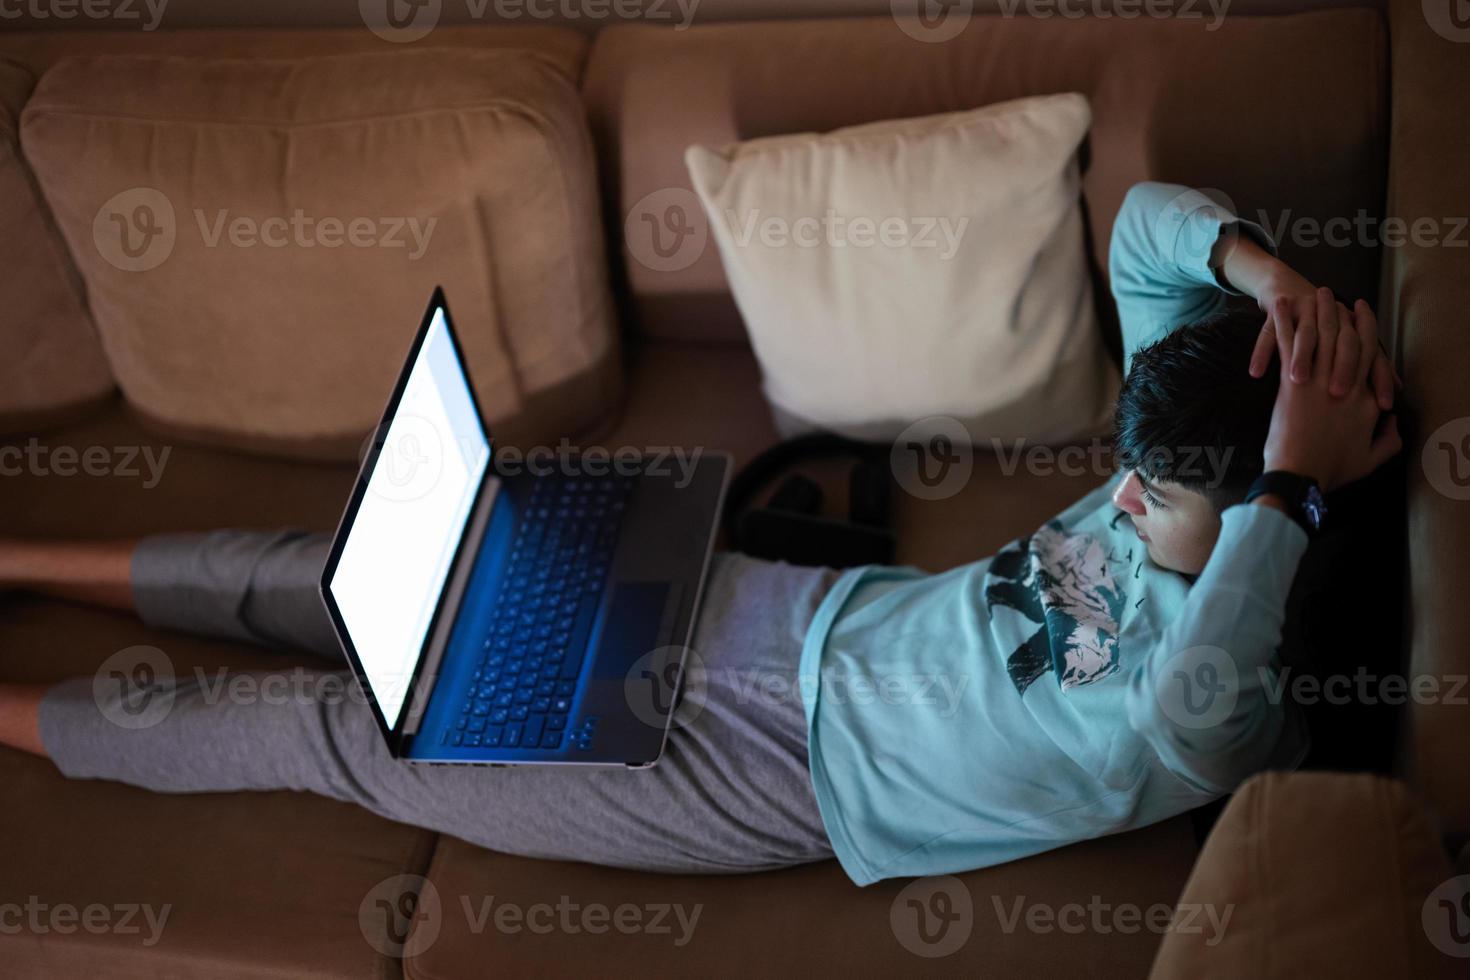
x,y
1302,495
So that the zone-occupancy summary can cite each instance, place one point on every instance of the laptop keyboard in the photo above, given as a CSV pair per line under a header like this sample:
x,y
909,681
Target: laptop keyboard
x,y
521,692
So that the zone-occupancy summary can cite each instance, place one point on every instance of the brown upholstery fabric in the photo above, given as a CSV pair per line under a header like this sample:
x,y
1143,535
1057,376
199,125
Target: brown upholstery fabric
x,y
260,885
53,365
1427,298
230,216
591,17
265,889
1323,875
697,395
808,921
1171,101
563,49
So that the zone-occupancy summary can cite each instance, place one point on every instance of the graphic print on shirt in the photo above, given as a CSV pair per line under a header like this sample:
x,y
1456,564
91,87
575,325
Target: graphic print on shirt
x,y
1063,583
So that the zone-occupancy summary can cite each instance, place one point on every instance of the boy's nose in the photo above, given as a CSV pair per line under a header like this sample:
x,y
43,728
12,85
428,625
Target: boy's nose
x,y
1126,498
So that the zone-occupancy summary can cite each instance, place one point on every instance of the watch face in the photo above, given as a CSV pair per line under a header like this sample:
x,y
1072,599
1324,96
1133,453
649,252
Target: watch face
x,y
1314,508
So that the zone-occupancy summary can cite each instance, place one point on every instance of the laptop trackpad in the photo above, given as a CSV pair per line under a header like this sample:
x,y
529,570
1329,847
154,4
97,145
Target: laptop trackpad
x,y
640,616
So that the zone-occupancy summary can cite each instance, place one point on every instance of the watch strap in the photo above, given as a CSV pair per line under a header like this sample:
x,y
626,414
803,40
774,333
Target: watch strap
x,y
1293,488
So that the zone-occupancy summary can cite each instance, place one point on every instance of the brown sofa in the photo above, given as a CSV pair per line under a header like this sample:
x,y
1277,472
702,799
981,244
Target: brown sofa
x,y
1318,114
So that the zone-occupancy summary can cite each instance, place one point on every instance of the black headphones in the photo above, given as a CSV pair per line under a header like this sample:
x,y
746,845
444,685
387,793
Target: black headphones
x,y
791,528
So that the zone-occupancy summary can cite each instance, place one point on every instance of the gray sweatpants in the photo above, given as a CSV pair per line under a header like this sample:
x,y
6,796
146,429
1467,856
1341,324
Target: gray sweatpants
x,y
732,792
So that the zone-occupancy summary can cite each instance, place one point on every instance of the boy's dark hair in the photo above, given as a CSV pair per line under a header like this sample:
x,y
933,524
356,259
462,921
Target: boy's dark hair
x,y
1189,412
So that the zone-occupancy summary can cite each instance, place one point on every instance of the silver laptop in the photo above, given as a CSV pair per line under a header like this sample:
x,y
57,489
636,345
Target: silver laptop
x,y
526,614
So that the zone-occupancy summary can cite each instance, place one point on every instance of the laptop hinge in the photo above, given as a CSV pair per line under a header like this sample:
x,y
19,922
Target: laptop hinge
x,y
454,590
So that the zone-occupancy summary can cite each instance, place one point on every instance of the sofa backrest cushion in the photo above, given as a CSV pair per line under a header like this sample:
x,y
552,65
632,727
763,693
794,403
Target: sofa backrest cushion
x,y
1284,113
259,237
562,48
53,366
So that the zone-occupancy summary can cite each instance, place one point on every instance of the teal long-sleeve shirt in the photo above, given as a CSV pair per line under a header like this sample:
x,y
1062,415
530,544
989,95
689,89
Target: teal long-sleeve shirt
x,y
1066,687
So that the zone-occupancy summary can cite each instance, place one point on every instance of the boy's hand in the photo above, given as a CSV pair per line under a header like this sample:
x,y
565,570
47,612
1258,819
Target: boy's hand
x,y
1282,293
1334,439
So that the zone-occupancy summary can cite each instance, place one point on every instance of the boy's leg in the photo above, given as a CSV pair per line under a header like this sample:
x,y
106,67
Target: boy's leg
x,y
20,717
96,572
258,586
732,792
250,585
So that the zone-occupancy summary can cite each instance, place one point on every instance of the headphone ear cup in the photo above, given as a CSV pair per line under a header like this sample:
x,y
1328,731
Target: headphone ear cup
x,y
869,494
797,494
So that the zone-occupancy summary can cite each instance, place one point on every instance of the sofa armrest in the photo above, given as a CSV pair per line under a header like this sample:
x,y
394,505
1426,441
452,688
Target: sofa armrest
x,y
1318,875
1425,304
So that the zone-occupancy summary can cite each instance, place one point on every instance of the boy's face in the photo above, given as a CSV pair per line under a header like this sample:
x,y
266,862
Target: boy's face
x,y
1178,526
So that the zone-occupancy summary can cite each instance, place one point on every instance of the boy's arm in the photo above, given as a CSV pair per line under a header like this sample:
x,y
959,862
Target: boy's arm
x,y
1176,254
1208,695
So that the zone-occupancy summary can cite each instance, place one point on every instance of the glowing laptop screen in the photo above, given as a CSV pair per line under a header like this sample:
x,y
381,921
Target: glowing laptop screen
x,y
409,523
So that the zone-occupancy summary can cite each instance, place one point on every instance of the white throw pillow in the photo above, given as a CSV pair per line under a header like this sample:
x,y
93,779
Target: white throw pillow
x,y
921,267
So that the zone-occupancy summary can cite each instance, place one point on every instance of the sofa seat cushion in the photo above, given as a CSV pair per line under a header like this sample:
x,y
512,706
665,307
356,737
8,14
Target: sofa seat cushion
x,y
259,237
708,396
534,918
238,885
256,885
